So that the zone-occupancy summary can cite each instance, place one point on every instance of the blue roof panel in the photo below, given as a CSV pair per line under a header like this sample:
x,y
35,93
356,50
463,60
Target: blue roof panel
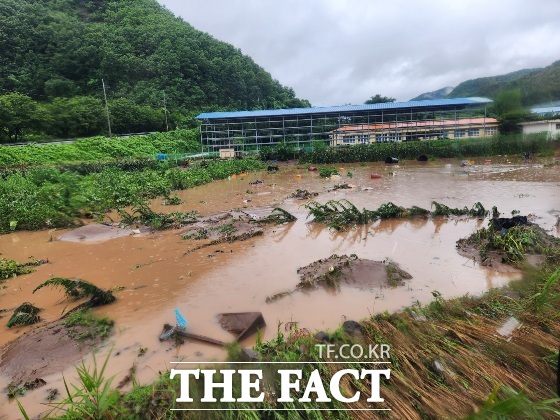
x,y
344,108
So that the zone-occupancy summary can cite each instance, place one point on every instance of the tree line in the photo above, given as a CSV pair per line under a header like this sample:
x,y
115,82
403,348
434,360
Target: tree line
x,y
56,52
22,118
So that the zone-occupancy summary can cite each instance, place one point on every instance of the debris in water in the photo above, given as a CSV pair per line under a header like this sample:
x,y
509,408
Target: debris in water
x,y
181,322
303,194
242,323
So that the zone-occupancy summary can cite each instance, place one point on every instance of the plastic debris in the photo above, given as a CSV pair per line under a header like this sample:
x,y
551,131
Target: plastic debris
x,y
181,322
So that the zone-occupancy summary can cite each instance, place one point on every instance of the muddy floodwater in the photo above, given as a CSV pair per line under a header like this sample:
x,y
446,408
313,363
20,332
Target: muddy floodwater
x,y
154,275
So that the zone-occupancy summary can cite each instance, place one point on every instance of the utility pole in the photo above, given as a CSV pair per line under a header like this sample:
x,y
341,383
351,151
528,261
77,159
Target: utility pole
x,y
165,111
106,108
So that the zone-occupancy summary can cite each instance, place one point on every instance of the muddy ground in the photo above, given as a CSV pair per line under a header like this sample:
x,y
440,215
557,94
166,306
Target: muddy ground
x,y
157,272
42,351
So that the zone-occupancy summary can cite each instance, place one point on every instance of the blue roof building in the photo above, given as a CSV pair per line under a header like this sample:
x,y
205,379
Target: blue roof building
x,y
249,130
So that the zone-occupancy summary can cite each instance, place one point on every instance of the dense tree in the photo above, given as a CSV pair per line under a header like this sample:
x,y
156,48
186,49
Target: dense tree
x,y
63,48
18,113
508,110
128,117
75,117
378,99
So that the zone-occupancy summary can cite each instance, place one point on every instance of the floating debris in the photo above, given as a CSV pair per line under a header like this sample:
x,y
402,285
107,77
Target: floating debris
x,y
242,323
303,194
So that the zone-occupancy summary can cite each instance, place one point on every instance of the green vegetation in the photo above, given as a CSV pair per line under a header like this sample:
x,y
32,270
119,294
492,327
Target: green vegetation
x,y
327,172
156,67
96,149
278,216
142,214
48,196
477,210
24,314
11,268
515,243
79,289
340,214
498,145
96,328
91,398
378,99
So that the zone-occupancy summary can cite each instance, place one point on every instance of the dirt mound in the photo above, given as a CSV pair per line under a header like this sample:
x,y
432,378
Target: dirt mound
x,y
43,351
349,271
94,232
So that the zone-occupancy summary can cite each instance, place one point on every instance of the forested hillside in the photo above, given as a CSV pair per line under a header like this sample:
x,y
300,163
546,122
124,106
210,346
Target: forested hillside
x,y
536,85
55,53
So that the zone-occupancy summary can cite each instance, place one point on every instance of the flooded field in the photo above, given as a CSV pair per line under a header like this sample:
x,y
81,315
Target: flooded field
x,y
154,272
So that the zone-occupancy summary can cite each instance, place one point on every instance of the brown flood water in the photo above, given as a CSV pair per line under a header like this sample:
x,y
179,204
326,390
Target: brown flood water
x,y
157,277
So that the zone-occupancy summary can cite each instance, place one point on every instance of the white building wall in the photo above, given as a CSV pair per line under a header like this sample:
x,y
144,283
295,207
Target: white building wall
x,y
552,127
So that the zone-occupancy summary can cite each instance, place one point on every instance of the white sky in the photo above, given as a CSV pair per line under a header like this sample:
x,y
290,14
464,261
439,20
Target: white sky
x,y
335,52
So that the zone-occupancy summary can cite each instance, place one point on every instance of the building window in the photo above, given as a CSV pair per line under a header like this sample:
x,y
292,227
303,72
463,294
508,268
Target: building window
x,y
474,132
558,126
363,138
386,138
348,139
490,131
460,133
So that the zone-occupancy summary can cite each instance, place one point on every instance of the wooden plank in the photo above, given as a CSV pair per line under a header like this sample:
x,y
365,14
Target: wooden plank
x,y
198,337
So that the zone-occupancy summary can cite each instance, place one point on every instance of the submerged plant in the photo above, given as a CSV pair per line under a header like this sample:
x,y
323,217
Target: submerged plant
x,y
143,214
278,216
172,201
477,210
77,289
24,314
339,214
96,327
11,268
327,172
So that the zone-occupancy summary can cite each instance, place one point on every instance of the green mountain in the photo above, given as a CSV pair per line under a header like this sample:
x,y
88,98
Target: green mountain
x,y
436,94
57,50
540,85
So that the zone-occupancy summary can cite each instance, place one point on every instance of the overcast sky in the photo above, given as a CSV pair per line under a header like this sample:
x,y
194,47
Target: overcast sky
x,y
335,52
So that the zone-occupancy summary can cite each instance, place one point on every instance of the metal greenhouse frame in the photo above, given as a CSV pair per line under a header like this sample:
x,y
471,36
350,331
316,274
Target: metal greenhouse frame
x,y
300,127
